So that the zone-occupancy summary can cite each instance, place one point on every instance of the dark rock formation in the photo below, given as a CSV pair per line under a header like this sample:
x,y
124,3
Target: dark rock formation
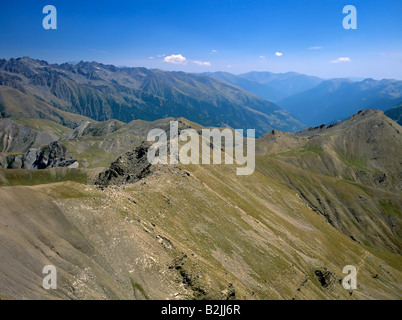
x,y
50,156
129,168
325,277
53,155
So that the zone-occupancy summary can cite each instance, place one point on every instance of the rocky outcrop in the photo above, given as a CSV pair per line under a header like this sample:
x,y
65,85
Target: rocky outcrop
x,y
129,168
326,277
50,156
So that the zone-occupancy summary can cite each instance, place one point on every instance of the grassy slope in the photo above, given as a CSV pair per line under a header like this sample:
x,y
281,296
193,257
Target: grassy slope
x,y
190,235
43,125
14,103
23,177
216,228
367,214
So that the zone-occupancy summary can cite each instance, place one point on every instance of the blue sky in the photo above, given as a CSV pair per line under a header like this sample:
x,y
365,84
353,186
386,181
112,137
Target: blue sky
x,y
225,35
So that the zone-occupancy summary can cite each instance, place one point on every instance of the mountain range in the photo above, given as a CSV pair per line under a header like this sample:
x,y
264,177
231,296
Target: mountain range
x,y
268,85
314,100
336,99
103,92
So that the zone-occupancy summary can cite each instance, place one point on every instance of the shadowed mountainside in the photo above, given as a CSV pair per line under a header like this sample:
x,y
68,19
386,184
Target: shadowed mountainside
x,y
104,92
337,99
395,113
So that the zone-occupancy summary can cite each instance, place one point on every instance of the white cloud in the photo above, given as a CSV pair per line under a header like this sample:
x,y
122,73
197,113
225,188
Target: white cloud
x,y
202,63
345,59
262,57
175,59
278,54
214,51
315,48
151,58
161,55
229,65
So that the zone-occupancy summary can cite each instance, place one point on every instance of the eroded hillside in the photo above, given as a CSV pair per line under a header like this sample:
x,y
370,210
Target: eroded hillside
x,y
201,231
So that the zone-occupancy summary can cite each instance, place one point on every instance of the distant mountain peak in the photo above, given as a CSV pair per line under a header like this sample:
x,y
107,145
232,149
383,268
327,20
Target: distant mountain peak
x,y
102,92
337,99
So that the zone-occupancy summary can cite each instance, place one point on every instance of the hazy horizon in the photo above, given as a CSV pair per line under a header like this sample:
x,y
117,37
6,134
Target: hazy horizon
x,y
352,78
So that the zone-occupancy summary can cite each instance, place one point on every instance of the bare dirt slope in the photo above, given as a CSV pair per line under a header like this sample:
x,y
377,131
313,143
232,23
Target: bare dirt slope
x,y
201,232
